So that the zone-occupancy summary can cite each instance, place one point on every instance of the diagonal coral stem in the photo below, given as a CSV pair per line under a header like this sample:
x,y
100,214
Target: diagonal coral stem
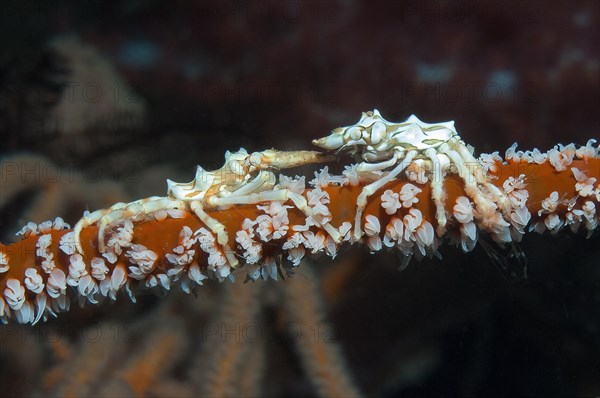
x,y
547,197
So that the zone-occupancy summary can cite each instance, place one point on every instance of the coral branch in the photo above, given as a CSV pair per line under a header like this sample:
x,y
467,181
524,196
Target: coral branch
x,y
319,351
223,355
159,247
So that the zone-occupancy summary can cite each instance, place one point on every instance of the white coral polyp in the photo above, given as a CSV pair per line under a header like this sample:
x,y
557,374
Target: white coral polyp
x,y
553,222
4,266
33,281
351,176
549,204
390,202
14,294
408,195
345,231
43,251
99,268
186,238
463,210
538,157
122,237
295,248
59,224
268,269
511,183
468,236
418,231
519,218
322,178
314,242
425,236
216,259
274,224
25,314
372,230
318,200
296,254
183,254
518,198
252,249
87,287
266,229
500,230
76,269
588,151
45,227
512,154
585,184
196,275
57,283
296,185
67,243
561,156
331,247
43,244
110,286
29,229
394,232
372,225
143,260
590,215
206,240
488,161
253,271
412,221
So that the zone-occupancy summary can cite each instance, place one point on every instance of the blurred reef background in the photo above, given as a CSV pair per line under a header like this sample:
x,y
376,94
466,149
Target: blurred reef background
x,y
101,101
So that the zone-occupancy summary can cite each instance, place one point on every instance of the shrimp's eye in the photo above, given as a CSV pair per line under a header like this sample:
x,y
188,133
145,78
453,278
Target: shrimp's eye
x,y
377,132
355,133
254,159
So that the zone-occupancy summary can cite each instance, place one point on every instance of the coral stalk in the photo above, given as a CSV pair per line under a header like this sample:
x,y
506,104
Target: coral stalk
x,y
319,351
505,198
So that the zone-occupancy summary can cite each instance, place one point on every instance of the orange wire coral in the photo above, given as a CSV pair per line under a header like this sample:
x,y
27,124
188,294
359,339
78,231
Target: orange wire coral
x,y
404,202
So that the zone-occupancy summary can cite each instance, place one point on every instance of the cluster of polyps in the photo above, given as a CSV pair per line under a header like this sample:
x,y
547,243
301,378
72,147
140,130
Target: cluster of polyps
x,y
579,209
93,282
274,225
412,235
49,296
560,157
586,213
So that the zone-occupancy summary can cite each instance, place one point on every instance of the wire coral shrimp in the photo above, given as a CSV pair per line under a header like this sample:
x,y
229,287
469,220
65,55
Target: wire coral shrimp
x,y
425,151
244,179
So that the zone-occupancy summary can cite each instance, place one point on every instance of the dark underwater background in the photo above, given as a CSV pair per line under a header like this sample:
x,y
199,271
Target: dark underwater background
x,y
102,101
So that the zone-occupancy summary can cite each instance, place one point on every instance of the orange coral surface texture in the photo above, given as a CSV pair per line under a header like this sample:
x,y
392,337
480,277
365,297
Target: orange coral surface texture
x,y
162,236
